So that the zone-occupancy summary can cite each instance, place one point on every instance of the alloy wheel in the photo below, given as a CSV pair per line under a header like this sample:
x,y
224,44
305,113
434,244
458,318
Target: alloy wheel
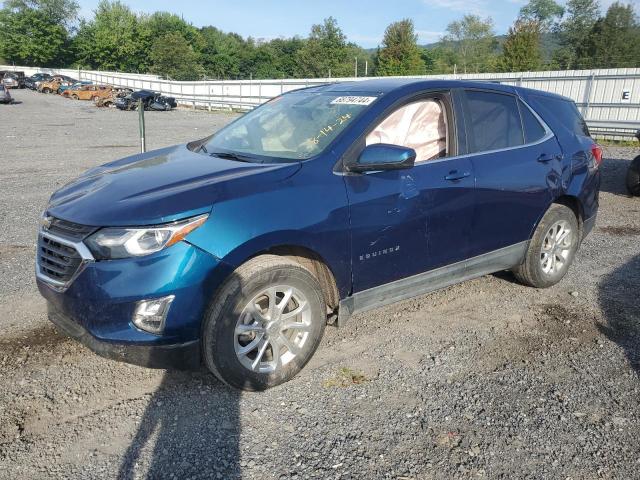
x,y
272,329
556,247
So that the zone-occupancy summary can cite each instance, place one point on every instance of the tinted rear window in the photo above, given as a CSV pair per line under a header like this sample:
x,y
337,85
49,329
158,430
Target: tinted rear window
x,y
533,129
565,112
493,121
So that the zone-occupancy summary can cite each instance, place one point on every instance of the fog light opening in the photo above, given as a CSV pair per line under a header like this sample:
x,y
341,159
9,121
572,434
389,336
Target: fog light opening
x,y
150,315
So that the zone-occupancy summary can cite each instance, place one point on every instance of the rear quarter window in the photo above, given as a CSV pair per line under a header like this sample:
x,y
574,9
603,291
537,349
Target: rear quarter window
x,y
533,129
563,113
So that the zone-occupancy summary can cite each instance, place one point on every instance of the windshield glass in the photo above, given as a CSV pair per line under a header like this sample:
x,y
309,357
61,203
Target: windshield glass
x,y
295,126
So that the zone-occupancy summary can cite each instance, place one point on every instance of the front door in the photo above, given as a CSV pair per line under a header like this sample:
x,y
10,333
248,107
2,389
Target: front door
x,y
405,222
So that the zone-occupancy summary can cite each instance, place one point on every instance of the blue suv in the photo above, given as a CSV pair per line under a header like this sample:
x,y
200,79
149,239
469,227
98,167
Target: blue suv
x,y
238,249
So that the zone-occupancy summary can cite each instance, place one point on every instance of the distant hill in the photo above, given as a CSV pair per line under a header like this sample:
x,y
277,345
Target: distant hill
x,y
550,42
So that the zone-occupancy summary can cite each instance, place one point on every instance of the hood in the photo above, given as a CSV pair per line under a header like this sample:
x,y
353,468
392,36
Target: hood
x,y
159,186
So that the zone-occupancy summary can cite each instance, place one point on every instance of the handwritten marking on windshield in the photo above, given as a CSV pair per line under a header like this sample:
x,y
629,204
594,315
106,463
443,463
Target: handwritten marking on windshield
x,y
325,131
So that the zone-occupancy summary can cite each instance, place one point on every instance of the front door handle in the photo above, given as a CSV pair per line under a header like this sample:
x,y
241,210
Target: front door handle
x,y
456,175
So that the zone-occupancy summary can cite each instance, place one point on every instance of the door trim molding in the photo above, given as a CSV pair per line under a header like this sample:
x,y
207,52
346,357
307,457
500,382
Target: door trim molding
x,y
422,283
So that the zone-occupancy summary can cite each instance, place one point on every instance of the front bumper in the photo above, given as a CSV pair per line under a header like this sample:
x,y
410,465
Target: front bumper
x,y
183,356
98,305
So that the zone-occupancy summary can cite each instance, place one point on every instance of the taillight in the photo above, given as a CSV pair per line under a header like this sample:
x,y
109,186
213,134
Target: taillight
x,y
596,150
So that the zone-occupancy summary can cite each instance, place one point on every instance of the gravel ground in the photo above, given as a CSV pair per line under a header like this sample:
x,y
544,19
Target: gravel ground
x,y
487,379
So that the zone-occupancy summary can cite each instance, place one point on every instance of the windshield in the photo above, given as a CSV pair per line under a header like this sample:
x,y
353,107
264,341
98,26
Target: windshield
x,y
295,126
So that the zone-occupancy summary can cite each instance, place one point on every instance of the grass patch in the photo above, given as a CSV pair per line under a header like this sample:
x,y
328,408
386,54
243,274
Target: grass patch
x,y
346,377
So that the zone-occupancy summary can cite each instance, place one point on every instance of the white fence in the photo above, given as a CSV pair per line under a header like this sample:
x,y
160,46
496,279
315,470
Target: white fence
x,y
608,99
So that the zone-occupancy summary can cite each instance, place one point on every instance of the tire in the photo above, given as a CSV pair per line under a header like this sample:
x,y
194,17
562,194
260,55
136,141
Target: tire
x,y
545,265
633,177
46,90
74,96
221,344
95,98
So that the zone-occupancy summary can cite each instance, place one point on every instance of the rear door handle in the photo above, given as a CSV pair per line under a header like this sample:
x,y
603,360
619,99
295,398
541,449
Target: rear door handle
x,y
455,175
545,158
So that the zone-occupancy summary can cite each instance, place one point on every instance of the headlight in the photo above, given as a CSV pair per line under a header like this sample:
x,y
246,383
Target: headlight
x,y
111,243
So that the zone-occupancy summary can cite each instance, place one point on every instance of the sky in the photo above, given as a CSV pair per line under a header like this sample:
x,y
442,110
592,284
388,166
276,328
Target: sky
x,y
363,21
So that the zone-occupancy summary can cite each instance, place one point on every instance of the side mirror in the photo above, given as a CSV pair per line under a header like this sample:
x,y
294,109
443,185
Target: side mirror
x,y
383,156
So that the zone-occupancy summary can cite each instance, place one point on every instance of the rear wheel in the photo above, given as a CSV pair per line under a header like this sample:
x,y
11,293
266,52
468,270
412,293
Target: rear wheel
x,y
551,250
633,177
264,324
46,90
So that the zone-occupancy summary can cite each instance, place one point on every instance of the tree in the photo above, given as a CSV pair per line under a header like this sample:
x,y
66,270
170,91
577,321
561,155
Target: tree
x,y
473,43
113,40
173,57
59,12
545,12
574,30
31,37
521,49
222,54
614,41
400,54
325,52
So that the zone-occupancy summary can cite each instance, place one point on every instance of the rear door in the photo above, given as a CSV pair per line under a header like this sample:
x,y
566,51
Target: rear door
x,y
517,163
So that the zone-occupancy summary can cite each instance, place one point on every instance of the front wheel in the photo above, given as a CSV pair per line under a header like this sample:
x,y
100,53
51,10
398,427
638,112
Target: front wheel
x,y
264,324
633,177
551,250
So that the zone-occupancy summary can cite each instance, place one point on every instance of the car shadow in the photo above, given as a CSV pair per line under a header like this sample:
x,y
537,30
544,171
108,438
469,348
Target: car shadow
x,y
614,174
618,298
190,428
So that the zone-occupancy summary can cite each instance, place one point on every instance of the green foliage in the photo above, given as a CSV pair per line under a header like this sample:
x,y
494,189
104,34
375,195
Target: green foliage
x,y
325,52
31,37
544,12
114,40
574,31
173,57
472,44
48,33
400,54
614,41
521,50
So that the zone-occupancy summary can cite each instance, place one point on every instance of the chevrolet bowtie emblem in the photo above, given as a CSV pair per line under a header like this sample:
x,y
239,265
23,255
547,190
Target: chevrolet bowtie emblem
x,y
46,222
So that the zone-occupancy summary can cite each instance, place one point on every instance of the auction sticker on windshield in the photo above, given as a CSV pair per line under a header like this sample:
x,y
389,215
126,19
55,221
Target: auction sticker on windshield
x,y
353,100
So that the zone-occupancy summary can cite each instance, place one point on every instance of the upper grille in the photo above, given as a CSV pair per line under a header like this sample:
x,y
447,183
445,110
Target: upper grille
x,y
56,260
69,230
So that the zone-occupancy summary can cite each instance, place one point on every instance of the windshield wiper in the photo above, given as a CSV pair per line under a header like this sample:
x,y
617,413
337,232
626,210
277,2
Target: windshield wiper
x,y
231,156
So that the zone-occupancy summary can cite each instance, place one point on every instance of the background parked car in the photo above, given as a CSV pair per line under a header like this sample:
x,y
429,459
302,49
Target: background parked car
x,y
5,96
88,92
33,81
13,80
150,100
75,86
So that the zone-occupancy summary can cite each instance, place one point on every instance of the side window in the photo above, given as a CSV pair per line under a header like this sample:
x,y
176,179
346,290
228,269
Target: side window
x,y
420,125
533,130
564,112
493,121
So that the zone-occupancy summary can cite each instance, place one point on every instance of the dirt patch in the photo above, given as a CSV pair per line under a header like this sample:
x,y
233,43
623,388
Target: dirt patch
x,y
621,231
45,336
12,249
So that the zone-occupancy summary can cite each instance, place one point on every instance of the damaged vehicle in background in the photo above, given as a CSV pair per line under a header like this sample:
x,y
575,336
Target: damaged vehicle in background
x,y
110,101
53,84
88,92
75,86
237,250
34,80
5,96
150,100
